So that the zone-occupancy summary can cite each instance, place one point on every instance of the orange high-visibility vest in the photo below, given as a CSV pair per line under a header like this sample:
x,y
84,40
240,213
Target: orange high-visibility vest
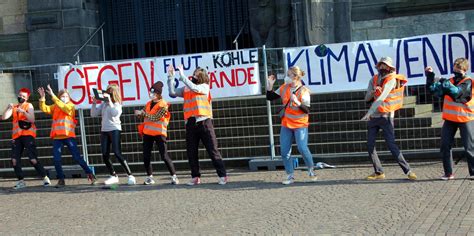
x,y
459,112
63,124
394,100
159,127
294,117
196,104
17,131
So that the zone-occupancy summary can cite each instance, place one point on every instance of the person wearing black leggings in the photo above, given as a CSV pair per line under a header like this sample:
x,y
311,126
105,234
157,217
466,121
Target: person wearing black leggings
x,y
110,111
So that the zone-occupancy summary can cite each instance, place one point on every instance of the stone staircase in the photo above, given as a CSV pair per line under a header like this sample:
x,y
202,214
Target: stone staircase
x,y
241,126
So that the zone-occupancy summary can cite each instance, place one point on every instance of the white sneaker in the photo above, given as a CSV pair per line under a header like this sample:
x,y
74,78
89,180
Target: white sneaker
x,y
131,180
112,180
194,181
149,180
289,180
19,184
46,181
222,180
174,180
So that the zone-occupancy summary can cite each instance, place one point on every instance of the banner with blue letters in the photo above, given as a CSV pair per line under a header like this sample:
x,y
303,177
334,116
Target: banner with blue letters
x,y
350,66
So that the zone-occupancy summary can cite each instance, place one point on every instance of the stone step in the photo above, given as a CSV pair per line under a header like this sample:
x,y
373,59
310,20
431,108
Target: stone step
x,y
44,120
251,129
259,151
134,143
5,131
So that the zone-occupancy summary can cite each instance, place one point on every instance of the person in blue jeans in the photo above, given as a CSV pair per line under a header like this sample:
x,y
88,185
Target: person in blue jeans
x,y
294,120
63,131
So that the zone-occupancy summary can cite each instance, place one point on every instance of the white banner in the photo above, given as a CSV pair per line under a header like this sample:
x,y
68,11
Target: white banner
x,y
350,66
231,74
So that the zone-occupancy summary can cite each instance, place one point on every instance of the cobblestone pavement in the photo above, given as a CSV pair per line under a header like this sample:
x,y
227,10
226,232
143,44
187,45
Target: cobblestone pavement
x,y
341,202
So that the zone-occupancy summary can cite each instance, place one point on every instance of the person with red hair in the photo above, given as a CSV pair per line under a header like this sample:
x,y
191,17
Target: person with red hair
x,y
23,137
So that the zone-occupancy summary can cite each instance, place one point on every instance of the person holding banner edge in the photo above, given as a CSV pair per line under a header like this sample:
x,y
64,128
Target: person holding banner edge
x,y
110,111
156,117
198,117
385,91
294,115
23,137
458,113
63,131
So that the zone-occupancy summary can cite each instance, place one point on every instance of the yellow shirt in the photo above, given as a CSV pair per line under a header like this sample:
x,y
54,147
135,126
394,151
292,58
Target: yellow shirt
x,y
68,108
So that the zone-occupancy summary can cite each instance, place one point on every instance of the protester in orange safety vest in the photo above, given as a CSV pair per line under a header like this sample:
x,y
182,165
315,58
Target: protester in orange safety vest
x,y
198,117
294,115
385,92
23,137
63,131
458,113
156,118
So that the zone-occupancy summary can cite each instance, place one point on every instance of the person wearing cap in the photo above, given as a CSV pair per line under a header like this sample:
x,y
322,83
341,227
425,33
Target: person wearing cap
x,y
458,113
156,118
63,131
385,91
198,117
23,137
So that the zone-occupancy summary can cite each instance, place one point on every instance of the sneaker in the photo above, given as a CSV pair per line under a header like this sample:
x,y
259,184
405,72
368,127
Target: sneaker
x,y
194,181
19,184
61,184
92,179
46,181
113,179
149,180
447,177
288,180
376,176
222,180
174,180
312,177
411,175
131,180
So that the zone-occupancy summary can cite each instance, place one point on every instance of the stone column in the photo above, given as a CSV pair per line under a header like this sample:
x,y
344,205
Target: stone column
x,y
58,28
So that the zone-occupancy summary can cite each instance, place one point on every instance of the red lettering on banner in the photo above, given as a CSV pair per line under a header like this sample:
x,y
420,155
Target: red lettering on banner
x,y
223,76
213,80
250,75
66,79
88,84
99,76
138,66
236,75
123,81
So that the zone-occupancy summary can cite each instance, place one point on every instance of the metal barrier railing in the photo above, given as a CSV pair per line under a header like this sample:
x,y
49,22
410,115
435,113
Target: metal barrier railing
x,y
242,123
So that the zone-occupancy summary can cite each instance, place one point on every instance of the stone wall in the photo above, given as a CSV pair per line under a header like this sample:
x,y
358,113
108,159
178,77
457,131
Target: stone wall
x,y
406,26
58,28
13,36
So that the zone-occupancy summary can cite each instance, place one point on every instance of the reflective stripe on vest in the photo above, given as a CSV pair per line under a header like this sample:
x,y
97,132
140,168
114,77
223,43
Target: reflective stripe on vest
x,y
16,130
459,112
159,127
394,100
293,117
63,124
196,104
